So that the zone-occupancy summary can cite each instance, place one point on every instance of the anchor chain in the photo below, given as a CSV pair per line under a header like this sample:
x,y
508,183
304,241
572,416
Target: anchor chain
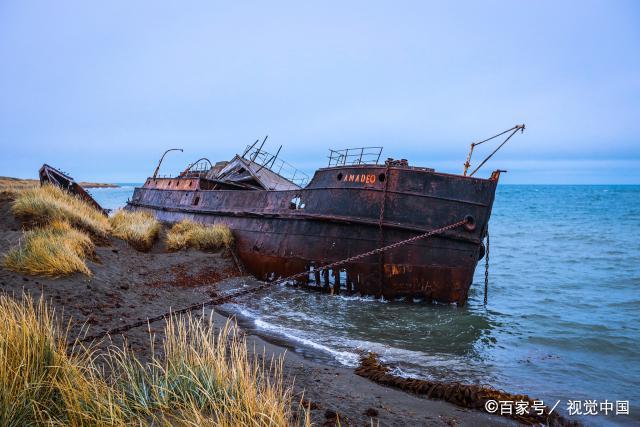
x,y
226,298
380,222
486,269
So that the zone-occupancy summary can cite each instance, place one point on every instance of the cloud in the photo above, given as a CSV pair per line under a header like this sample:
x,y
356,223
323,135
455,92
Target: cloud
x,y
116,83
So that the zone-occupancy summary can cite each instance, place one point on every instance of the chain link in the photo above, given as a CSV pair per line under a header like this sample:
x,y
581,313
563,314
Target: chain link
x,y
226,298
380,221
486,269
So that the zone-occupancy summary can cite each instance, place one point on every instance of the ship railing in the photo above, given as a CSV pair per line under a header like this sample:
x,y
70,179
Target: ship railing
x,y
355,156
266,160
197,170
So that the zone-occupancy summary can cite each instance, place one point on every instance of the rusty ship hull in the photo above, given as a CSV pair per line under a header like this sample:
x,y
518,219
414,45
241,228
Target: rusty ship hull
x,y
342,212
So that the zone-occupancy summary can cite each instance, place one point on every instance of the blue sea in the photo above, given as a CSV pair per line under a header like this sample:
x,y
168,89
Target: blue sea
x,y
114,198
562,320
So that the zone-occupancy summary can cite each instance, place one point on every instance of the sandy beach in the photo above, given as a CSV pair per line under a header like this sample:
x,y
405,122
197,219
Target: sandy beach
x,y
128,286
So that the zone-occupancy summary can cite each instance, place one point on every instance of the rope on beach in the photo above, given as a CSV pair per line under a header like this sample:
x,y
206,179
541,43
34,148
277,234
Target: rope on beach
x,y
226,298
465,395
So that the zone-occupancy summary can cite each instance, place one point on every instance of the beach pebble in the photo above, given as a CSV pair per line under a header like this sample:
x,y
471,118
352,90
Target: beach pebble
x,y
371,412
330,414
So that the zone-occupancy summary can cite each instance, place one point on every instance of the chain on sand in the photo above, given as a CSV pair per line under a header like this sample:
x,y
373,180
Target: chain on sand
x,y
226,298
468,396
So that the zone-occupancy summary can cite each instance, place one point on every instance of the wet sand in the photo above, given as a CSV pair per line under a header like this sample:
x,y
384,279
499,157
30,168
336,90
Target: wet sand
x,y
127,286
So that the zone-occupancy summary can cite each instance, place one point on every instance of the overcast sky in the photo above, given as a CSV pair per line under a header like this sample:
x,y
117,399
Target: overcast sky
x,y
100,89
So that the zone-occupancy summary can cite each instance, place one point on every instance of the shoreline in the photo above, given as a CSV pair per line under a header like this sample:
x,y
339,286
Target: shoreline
x,y
335,389
7,182
128,286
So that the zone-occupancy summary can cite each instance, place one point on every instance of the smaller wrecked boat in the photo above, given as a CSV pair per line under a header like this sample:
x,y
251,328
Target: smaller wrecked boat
x,y
285,222
50,175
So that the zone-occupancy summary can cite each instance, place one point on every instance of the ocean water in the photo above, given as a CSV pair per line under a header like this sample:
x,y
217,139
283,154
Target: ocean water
x,y
113,198
562,321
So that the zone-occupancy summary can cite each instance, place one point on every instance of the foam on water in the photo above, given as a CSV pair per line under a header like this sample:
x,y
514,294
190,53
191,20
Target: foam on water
x,y
298,336
361,298
563,320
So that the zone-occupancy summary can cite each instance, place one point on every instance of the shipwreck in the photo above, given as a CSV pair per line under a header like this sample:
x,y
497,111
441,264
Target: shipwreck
x,y
285,222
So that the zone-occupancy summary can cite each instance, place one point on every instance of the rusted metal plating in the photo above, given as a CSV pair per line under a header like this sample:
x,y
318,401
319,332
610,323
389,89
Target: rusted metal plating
x,y
337,215
217,300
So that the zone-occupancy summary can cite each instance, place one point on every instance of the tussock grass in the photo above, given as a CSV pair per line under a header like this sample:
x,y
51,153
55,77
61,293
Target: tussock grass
x,y
189,234
198,378
9,183
138,228
41,383
205,377
49,203
54,250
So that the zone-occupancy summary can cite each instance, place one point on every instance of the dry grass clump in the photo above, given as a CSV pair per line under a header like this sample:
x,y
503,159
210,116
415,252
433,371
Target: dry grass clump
x,y
198,378
9,183
189,234
41,382
138,228
58,245
54,250
205,377
49,203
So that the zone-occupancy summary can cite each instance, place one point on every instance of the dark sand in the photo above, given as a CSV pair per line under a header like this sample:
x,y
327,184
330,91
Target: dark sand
x,y
128,285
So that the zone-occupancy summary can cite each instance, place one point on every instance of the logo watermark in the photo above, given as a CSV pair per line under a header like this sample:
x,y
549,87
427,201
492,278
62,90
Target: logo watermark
x,y
573,407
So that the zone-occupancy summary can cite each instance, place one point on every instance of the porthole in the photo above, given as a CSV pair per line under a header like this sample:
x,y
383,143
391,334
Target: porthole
x,y
296,203
470,223
340,176
382,177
